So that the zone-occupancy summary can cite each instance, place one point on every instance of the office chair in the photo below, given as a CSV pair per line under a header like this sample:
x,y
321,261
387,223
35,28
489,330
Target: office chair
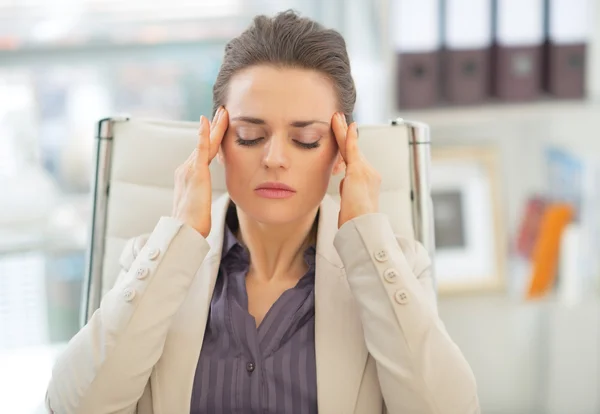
x,y
134,177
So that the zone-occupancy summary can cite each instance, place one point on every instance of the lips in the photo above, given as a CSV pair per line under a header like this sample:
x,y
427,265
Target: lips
x,y
275,186
273,190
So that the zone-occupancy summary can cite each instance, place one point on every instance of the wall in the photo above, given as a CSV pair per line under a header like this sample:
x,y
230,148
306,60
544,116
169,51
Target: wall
x,y
540,357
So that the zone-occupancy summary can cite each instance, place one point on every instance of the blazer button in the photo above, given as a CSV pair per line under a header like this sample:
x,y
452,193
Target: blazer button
x,y
390,275
153,254
128,294
381,255
142,273
250,366
401,296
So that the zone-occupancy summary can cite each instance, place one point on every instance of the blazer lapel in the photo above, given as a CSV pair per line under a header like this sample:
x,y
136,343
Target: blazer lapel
x,y
340,348
173,377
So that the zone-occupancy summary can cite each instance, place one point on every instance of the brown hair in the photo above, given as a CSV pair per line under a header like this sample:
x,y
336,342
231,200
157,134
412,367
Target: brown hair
x,y
288,40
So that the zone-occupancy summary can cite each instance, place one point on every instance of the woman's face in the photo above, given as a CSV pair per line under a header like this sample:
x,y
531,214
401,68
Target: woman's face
x,y
279,135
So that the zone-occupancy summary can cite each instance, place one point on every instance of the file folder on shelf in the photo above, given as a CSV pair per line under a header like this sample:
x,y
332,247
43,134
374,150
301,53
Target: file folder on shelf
x,y
565,49
519,36
467,42
416,33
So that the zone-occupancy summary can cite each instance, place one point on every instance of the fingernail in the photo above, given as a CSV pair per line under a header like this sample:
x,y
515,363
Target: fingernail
x,y
216,116
201,122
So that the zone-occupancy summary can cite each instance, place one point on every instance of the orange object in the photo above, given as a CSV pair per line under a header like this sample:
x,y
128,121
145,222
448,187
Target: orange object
x,y
546,251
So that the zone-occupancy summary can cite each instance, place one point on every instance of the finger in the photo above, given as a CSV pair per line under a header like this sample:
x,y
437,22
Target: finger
x,y
188,163
339,127
217,131
352,151
191,158
203,147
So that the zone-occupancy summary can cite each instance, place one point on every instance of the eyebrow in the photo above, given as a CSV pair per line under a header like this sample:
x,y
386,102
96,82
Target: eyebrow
x,y
296,124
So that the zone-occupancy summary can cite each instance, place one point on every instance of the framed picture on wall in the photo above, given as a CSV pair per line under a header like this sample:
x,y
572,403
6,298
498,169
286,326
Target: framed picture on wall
x,y
469,235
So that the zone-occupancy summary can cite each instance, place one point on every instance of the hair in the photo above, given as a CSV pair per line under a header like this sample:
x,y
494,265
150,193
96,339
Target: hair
x,y
289,41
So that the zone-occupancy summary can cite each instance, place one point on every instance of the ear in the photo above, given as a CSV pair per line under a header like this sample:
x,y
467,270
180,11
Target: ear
x,y
339,165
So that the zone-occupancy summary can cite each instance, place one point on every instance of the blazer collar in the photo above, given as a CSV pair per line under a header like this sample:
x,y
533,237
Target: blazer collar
x,y
218,218
340,348
341,352
328,219
173,377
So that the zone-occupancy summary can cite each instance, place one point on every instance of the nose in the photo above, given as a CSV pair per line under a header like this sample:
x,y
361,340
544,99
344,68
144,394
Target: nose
x,y
276,153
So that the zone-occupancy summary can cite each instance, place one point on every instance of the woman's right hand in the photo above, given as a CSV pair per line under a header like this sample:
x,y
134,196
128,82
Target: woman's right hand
x,y
193,191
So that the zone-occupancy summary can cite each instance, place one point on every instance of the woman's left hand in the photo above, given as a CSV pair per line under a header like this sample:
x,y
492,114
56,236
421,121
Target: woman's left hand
x,y
359,189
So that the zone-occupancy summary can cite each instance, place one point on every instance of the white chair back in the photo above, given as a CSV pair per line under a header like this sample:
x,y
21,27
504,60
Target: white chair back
x,y
133,186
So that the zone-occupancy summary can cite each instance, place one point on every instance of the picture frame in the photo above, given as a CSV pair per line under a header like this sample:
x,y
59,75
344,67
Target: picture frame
x,y
469,232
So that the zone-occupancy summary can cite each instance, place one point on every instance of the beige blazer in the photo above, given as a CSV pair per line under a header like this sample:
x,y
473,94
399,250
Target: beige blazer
x,y
380,344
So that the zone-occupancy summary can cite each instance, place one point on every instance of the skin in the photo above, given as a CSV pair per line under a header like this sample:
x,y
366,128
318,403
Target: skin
x,y
286,106
279,109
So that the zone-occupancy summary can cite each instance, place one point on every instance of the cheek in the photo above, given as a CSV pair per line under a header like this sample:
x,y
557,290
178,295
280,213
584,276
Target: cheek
x,y
321,165
233,153
237,161
330,154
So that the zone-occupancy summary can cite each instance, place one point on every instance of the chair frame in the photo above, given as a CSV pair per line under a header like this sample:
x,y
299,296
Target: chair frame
x,y
422,208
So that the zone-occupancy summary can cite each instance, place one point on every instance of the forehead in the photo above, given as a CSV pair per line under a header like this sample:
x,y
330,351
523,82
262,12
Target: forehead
x,y
281,94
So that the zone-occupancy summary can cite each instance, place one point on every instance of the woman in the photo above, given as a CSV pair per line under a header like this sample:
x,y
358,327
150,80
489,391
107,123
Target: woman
x,y
274,298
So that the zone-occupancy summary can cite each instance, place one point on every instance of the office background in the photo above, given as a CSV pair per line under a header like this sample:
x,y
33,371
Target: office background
x,y
512,95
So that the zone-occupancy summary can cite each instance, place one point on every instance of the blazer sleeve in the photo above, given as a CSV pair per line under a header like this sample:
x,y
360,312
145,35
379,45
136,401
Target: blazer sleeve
x,y
420,369
107,364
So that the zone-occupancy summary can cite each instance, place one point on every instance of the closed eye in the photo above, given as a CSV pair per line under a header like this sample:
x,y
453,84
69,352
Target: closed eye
x,y
252,142
308,145
248,142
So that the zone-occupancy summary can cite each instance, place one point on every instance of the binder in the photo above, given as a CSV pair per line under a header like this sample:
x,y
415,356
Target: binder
x,y
547,248
417,40
529,227
567,30
467,39
519,37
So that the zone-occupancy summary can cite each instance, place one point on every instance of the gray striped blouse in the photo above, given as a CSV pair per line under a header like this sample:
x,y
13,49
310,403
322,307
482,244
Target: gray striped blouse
x,y
246,370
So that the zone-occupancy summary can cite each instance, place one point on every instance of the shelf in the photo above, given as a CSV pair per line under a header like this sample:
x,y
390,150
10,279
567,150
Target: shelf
x,y
494,113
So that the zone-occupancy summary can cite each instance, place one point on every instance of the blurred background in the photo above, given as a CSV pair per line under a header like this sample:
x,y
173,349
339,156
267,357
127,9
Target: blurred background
x,y
509,88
